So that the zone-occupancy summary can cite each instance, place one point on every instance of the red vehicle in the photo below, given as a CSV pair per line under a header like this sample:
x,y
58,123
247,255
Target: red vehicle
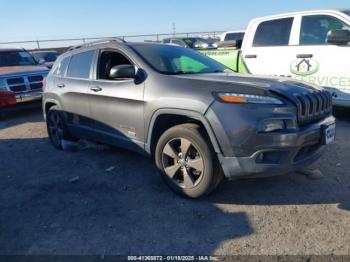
x,y
21,79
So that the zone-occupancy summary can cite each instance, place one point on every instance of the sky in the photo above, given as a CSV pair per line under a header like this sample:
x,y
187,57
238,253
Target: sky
x,y
47,19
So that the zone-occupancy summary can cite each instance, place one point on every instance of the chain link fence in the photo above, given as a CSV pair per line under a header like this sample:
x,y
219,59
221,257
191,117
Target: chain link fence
x,y
62,43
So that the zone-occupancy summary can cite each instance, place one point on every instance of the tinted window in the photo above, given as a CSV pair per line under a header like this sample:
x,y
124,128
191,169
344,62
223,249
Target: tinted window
x,y
62,67
80,64
234,36
314,29
173,60
347,12
48,57
16,58
166,41
273,33
178,42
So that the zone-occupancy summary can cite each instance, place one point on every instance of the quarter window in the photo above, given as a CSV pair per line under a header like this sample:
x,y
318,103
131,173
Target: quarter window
x,y
273,33
314,29
62,67
80,65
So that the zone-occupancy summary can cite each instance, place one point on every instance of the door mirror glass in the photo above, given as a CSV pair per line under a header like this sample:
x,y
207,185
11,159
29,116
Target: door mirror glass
x,y
122,72
338,37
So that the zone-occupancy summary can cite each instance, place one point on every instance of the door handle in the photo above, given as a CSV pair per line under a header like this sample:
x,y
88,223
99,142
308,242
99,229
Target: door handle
x,y
305,56
251,56
96,89
61,85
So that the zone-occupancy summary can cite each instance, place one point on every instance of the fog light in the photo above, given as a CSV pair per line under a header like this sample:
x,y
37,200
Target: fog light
x,y
271,125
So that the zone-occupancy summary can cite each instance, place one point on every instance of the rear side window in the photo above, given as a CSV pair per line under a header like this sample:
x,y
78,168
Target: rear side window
x,y
62,67
80,65
234,36
314,29
273,33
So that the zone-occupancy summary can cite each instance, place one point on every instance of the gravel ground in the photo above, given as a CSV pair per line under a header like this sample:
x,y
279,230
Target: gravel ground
x,y
110,201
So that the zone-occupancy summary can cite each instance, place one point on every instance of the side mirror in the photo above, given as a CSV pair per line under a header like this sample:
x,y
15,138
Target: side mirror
x,y
338,37
122,72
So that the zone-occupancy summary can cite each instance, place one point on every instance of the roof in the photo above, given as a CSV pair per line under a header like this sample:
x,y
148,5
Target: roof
x,y
308,12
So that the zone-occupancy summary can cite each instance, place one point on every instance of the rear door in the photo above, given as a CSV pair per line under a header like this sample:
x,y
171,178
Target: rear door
x,y
73,88
117,105
268,50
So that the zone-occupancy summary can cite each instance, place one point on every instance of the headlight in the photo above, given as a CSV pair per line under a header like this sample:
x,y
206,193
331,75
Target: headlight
x,y
252,99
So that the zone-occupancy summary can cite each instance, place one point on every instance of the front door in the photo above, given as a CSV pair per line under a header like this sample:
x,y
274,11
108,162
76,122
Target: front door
x,y
117,105
320,63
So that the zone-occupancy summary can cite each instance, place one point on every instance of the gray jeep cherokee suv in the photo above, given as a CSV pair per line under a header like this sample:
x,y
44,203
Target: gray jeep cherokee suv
x,y
196,118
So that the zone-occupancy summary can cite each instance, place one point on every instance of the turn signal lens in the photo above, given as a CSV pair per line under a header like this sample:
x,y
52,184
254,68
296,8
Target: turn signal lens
x,y
245,98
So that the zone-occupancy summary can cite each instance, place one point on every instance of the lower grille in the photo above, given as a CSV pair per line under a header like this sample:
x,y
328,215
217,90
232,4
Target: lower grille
x,y
313,106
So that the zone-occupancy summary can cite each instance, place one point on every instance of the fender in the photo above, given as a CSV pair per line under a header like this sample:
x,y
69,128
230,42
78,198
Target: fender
x,y
50,100
187,113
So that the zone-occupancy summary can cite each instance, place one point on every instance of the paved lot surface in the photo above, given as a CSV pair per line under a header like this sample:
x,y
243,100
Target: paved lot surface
x,y
46,209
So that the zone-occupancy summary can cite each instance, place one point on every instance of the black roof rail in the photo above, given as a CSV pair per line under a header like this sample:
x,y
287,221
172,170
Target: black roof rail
x,y
97,42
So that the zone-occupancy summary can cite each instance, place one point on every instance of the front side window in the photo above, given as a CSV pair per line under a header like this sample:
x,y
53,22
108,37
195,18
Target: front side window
x,y
273,33
174,60
16,58
80,65
62,67
314,29
107,60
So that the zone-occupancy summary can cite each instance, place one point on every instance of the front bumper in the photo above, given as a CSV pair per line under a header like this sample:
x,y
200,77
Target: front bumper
x,y
28,96
289,152
245,152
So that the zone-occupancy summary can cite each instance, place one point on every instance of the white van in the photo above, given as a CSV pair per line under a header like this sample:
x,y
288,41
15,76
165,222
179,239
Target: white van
x,y
311,46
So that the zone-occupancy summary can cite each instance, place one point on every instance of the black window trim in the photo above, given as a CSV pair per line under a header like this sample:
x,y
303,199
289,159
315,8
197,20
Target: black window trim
x,y
290,34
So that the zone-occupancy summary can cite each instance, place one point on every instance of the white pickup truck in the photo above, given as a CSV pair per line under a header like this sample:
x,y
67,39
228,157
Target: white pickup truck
x,y
311,46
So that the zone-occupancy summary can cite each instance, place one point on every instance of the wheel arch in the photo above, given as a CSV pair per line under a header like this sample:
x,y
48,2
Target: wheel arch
x,y
164,119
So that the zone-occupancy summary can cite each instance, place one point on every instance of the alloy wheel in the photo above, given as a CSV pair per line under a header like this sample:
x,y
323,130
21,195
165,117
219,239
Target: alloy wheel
x,y
182,162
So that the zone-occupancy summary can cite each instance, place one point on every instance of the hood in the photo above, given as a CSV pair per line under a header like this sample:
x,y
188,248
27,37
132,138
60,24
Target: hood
x,y
20,70
259,85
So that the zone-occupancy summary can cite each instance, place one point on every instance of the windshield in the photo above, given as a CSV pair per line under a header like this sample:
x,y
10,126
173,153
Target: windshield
x,y
48,57
16,58
174,60
196,42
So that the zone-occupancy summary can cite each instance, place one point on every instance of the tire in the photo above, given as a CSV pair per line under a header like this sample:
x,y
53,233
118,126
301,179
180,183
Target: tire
x,y
187,162
57,128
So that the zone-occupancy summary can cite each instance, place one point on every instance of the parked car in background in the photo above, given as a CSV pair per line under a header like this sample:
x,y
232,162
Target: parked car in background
x,y
190,42
232,35
195,117
45,57
21,79
311,46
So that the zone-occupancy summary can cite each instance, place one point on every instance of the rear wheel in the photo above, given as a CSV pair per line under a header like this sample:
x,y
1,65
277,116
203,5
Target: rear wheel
x,y
56,128
187,161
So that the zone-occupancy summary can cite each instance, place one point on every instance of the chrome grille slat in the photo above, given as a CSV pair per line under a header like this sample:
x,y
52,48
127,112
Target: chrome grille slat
x,y
25,83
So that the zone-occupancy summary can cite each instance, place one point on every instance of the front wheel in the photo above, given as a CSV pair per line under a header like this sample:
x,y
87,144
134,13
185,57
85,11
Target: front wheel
x,y
187,162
